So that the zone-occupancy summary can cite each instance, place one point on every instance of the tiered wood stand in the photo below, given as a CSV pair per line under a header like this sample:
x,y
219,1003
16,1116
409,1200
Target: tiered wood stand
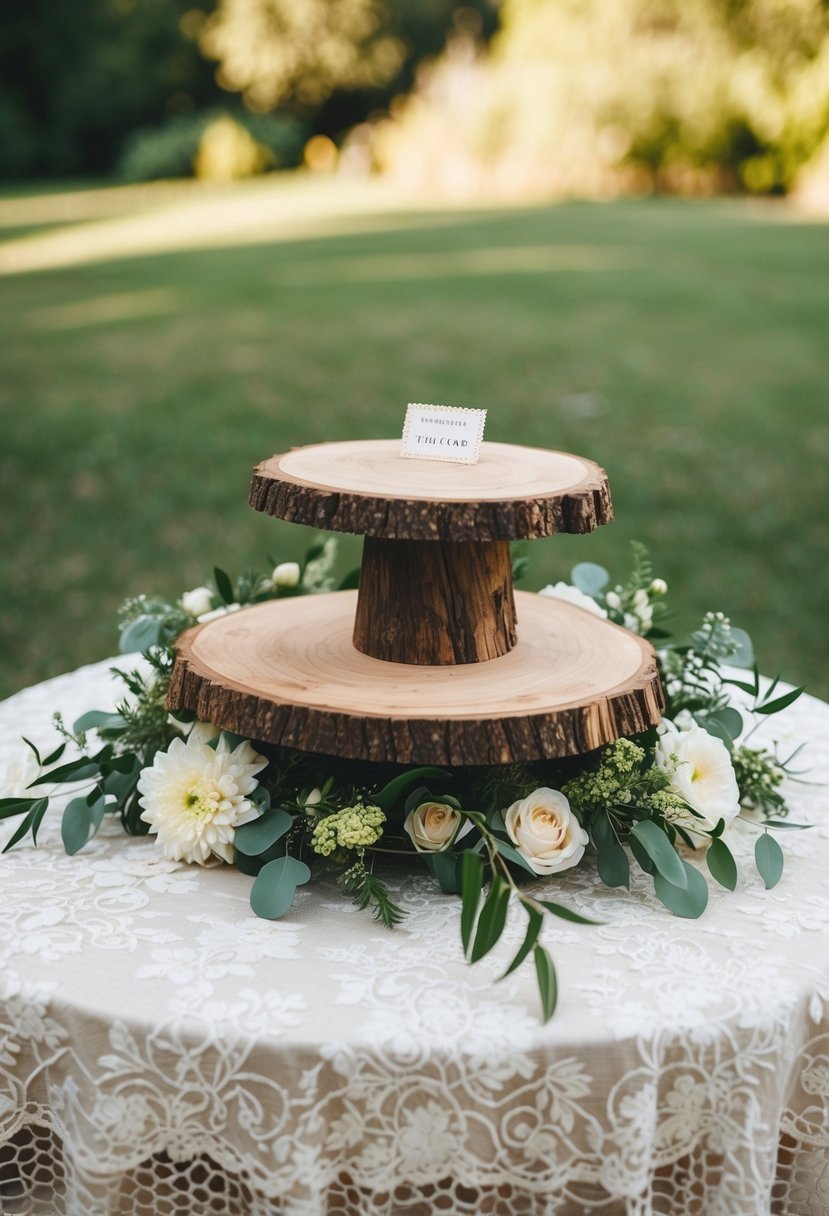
x,y
435,659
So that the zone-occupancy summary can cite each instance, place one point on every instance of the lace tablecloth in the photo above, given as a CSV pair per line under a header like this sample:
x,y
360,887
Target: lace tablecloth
x,y
163,1051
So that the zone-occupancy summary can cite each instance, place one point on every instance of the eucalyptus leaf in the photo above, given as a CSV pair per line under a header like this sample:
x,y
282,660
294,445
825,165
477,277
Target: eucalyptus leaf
x,y
725,724
589,578
95,719
255,837
743,655
54,756
141,634
661,852
547,985
75,770
15,806
689,901
611,859
722,865
786,825
769,858
530,938
472,877
273,891
76,825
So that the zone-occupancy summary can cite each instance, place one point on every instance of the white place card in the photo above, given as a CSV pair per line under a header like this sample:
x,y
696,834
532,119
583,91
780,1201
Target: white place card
x,y
443,432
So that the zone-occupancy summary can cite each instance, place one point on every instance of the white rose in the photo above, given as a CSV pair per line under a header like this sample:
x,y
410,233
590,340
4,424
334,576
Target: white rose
x,y
286,574
198,601
545,831
432,826
701,774
572,595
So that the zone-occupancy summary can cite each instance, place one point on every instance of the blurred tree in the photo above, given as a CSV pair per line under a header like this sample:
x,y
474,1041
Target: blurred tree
x,y
75,77
334,61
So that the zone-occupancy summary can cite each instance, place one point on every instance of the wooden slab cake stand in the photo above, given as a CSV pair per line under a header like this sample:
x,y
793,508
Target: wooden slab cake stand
x,y
435,660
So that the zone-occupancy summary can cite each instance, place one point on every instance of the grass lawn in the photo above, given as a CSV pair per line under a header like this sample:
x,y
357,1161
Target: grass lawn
x,y
683,345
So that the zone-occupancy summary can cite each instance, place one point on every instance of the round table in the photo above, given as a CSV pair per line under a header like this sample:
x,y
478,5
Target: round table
x,y
163,1051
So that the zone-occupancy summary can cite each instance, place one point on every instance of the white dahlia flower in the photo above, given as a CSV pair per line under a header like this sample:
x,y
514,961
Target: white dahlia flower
x,y
702,774
194,798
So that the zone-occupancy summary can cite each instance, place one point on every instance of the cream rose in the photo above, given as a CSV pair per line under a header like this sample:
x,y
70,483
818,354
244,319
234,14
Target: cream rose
x,y
545,831
198,601
432,826
572,595
286,574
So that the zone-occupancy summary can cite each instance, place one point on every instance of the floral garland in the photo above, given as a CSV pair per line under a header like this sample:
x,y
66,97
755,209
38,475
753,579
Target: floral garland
x,y
210,796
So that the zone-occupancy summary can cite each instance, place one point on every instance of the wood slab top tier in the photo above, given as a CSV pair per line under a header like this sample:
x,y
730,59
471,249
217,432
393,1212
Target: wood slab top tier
x,y
366,487
286,672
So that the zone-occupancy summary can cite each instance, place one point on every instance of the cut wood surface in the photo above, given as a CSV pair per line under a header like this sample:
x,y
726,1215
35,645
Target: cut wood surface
x,y
287,672
366,487
435,602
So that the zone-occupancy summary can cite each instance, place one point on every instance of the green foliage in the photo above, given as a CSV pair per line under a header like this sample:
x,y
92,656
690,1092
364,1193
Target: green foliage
x,y
367,891
169,150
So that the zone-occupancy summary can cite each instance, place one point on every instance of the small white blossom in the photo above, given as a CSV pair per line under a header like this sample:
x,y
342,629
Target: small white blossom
x,y
658,586
198,601
613,600
286,574
194,797
572,595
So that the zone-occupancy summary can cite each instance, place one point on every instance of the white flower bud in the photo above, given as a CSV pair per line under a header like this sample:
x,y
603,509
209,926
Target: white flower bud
x,y
640,600
286,574
198,601
658,586
613,600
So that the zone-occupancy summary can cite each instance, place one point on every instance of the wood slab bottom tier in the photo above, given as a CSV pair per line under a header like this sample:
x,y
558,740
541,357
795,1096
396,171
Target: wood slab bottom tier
x,y
287,672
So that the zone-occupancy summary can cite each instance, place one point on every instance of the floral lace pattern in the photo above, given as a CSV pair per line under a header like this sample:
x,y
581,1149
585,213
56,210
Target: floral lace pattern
x,y
157,1040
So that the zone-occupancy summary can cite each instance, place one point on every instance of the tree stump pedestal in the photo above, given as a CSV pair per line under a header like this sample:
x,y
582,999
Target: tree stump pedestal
x,y
436,659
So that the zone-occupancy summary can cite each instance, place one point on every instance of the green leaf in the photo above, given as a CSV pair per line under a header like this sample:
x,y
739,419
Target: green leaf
x,y
223,586
54,756
77,825
32,748
15,806
492,919
75,770
511,854
787,826
567,913
530,938
396,788
661,852
141,634
769,858
520,566
273,891
97,718
774,707
752,689
255,837
472,878
725,724
589,578
611,858
32,822
444,869
547,986
689,901
641,856
351,581
722,865
743,655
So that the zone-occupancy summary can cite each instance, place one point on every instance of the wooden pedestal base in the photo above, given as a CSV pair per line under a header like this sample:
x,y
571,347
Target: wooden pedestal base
x,y
287,672
435,602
